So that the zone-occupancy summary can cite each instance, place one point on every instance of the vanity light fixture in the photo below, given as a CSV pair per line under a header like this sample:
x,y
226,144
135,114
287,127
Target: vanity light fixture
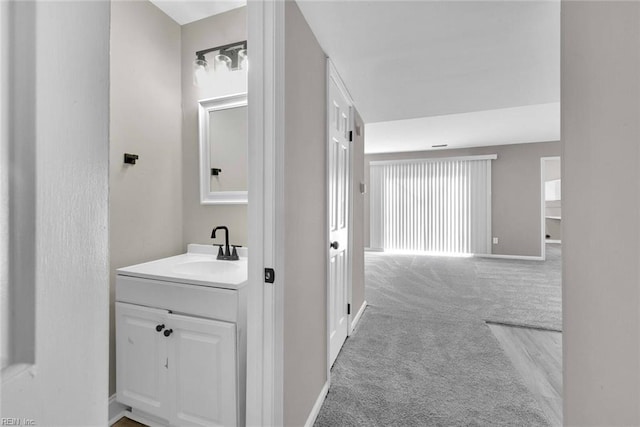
x,y
229,57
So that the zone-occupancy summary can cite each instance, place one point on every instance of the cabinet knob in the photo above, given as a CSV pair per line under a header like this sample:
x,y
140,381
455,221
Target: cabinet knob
x,y
168,332
335,245
159,328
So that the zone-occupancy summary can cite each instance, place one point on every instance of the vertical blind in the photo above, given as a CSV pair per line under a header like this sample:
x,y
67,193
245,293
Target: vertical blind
x,y
432,205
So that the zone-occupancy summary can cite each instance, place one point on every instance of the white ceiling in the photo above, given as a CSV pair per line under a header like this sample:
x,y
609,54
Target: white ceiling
x,y
186,11
534,123
407,59
469,73
415,59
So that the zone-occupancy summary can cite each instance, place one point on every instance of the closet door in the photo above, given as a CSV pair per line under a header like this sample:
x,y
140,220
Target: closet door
x,y
339,184
202,372
141,358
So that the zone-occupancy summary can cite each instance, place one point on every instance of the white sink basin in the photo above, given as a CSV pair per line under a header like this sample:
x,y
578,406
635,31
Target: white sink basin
x,y
198,266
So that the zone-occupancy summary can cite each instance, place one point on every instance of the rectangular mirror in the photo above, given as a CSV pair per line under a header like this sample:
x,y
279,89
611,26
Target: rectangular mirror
x,y
223,150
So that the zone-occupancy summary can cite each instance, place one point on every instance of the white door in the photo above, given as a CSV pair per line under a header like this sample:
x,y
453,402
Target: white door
x,y
339,176
141,358
202,372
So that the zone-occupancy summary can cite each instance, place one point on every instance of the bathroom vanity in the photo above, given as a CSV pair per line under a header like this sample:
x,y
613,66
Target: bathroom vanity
x,y
181,339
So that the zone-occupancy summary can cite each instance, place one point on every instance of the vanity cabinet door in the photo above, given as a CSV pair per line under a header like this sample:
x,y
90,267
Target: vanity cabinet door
x,y
141,358
202,372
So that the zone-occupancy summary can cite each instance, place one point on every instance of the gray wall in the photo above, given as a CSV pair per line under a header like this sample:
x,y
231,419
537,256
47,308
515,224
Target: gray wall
x,y
357,249
305,302
515,190
199,220
21,178
601,212
145,199
6,322
305,305
553,169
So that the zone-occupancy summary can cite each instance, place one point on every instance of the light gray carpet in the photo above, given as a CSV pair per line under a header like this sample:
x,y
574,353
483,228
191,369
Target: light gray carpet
x,y
423,355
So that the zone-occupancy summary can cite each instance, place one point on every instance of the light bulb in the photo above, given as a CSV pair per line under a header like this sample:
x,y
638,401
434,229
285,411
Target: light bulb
x,y
199,70
222,64
243,61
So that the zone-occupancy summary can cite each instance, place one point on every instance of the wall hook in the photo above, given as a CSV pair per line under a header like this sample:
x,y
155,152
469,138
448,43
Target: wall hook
x,y
130,158
215,171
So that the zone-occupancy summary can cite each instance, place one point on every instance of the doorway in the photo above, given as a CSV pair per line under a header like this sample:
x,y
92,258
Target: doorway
x,y
551,201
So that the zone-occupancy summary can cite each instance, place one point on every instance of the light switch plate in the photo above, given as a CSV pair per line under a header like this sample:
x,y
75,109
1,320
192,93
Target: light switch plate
x,y
363,188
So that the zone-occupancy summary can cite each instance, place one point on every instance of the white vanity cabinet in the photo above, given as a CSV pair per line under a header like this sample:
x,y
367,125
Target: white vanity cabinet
x,y
180,351
141,375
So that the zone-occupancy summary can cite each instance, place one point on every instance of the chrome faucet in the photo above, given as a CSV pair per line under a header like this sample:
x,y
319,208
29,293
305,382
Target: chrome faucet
x,y
226,253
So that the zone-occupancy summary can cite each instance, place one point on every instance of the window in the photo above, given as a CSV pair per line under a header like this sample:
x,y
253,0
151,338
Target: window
x,y
432,205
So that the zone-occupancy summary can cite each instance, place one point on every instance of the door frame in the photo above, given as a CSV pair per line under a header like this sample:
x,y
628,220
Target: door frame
x,y
332,74
543,222
265,301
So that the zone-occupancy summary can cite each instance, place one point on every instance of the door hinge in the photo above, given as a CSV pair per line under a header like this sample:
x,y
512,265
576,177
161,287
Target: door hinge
x,y
348,308
269,275
350,136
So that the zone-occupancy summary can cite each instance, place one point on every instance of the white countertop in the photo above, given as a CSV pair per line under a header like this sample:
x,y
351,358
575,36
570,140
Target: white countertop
x,y
198,266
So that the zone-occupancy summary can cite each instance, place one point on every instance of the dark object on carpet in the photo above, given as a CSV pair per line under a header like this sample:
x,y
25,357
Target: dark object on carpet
x,y
423,355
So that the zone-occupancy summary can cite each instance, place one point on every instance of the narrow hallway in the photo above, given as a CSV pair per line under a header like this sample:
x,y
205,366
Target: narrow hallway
x,y
423,354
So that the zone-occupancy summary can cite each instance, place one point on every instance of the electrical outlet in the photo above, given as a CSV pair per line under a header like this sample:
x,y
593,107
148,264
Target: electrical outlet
x,y
495,240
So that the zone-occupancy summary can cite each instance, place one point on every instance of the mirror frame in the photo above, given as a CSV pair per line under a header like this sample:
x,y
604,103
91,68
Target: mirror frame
x,y
205,107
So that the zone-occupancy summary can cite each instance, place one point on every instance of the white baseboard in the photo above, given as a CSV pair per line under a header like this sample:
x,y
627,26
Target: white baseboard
x,y
316,407
358,315
373,250
520,257
116,410
553,241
